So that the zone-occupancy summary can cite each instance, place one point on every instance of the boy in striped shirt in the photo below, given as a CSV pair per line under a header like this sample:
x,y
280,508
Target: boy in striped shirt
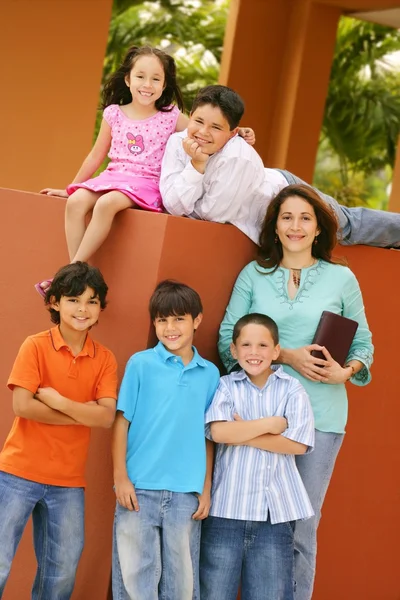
x,y
260,418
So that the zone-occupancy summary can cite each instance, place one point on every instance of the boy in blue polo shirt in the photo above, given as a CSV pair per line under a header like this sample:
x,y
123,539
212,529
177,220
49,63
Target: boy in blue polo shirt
x,y
159,451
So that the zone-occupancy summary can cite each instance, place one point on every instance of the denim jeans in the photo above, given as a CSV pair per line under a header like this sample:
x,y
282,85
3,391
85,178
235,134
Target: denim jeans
x,y
58,532
316,471
156,550
255,553
361,225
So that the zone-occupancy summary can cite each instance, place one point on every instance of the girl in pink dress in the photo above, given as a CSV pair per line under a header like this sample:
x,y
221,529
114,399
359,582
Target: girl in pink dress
x,y
138,118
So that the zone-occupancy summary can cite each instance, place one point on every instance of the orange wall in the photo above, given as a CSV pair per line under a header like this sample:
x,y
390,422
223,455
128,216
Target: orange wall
x,y
360,526
51,61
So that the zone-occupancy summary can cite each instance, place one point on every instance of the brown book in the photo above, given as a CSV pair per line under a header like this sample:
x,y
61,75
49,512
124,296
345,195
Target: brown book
x,y
336,333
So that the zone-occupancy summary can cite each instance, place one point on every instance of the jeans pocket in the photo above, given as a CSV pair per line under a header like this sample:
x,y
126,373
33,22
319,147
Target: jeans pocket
x,y
290,526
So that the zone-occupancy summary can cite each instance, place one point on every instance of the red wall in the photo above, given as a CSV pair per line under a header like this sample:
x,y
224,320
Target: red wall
x,y
360,526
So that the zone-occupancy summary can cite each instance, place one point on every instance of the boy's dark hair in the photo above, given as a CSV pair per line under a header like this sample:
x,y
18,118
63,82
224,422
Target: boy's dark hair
x,y
174,298
117,92
227,100
257,319
72,280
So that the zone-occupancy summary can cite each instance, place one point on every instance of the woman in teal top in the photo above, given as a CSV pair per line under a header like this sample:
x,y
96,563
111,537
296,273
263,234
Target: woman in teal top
x,y
293,281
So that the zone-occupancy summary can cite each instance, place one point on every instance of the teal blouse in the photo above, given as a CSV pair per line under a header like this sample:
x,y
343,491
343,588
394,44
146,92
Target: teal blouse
x,y
323,286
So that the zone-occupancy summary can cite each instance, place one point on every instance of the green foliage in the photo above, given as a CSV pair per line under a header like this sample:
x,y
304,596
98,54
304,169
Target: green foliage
x,y
360,190
362,114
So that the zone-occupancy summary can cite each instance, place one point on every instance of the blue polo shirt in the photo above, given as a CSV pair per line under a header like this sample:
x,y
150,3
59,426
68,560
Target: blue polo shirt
x,y
165,402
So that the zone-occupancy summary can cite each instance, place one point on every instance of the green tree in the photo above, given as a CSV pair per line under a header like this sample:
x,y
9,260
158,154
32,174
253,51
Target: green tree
x,y
362,113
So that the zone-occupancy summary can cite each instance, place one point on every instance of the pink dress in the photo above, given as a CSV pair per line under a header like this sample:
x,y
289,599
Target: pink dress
x,y
137,148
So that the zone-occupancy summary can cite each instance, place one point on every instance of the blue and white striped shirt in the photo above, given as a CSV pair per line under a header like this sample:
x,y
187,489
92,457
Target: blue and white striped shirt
x,y
250,483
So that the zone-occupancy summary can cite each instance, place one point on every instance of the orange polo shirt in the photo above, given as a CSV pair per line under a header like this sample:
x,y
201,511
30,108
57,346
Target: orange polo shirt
x,y
56,454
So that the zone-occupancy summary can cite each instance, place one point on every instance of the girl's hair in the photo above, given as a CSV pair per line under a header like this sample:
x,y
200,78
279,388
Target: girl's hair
x,y
270,251
117,92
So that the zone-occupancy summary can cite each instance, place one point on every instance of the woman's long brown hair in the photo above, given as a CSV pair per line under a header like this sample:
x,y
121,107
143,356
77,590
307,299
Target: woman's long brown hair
x,y
270,252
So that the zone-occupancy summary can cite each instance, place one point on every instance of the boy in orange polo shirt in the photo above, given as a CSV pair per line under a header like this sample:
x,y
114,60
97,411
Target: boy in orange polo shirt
x,y
63,383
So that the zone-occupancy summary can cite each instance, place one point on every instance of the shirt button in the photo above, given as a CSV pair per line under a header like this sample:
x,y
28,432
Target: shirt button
x,y
266,489
175,360
269,466
260,393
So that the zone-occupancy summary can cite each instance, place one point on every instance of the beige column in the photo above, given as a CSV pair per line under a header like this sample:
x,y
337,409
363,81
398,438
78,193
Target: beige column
x,y
278,55
289,81
51,61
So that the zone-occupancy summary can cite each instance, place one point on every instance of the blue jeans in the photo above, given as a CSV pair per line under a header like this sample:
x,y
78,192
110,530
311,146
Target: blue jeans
x,y
316,471
360,225
156,550
255,553
58,533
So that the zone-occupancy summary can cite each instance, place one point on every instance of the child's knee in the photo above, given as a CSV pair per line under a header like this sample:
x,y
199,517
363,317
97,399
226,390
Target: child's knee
x,y
80,202
111,203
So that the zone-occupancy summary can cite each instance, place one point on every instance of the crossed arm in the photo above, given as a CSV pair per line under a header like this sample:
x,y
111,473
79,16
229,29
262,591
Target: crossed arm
x,y
48,406
264,434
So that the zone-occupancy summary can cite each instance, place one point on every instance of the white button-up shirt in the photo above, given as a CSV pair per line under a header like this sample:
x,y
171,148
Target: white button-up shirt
x,y
250,484
235,187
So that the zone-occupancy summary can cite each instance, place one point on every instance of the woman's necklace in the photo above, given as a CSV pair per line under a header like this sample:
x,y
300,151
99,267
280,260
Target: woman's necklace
x,y
296,276
296,273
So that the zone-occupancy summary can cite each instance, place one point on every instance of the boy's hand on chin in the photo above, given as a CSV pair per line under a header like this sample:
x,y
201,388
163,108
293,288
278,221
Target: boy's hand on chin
x,y
204,506
51,397
194,150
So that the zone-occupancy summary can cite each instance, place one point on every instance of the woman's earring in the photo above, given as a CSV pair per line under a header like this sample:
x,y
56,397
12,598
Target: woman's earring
x,y
315,241
276,239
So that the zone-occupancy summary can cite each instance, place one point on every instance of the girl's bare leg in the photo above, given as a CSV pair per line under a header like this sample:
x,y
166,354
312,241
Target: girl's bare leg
x,y
78,205
104,211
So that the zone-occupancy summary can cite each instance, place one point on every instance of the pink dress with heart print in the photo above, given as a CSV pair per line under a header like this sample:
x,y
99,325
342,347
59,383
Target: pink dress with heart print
x,y
137,148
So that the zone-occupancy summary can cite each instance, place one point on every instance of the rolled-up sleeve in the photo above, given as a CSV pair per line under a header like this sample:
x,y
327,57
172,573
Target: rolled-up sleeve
x,y
361,348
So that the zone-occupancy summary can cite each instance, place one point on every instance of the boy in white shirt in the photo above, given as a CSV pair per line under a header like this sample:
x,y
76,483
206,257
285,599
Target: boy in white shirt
x,y
208,172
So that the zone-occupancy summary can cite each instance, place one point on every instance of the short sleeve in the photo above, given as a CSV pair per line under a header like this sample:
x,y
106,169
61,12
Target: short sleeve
x,y
220,409
110,114
213,386
128,393
107,385
299,415
25,372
